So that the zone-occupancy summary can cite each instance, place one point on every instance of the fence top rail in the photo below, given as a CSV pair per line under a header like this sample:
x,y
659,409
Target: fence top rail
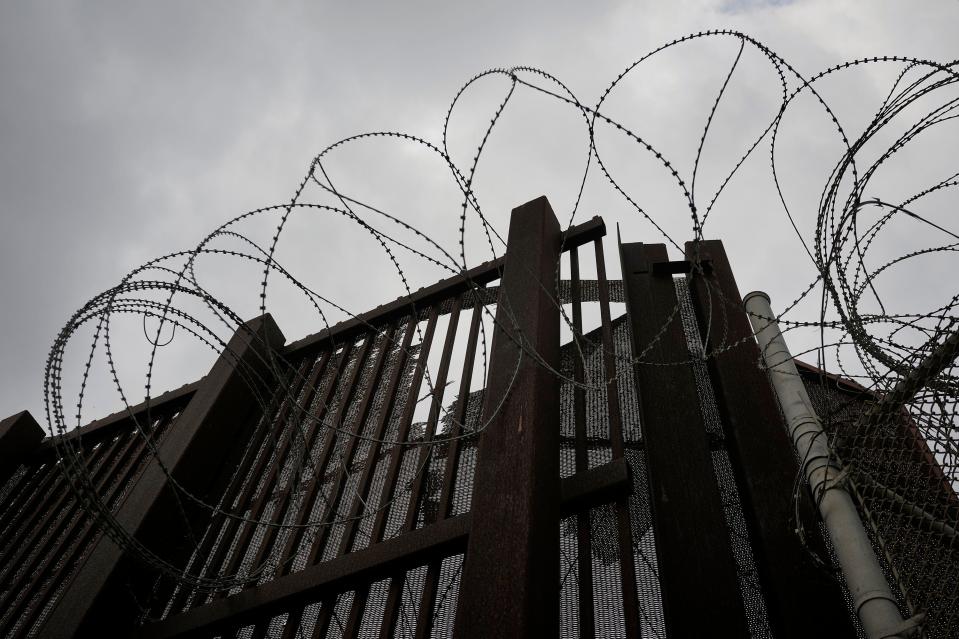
x,y
485,273
106,425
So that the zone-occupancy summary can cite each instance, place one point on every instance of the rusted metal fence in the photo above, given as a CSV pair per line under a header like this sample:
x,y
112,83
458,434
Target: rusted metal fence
x,y
623,484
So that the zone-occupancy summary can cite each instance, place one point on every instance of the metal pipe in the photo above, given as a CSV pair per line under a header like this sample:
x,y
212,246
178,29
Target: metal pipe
x,y
872,598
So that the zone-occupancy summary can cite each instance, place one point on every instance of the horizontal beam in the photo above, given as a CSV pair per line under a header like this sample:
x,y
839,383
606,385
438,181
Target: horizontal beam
x,y
584,490
421,299
596,486
106,425
440,539
590,230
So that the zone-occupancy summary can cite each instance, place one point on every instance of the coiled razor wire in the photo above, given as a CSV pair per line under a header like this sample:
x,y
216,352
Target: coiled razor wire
x,y
888,353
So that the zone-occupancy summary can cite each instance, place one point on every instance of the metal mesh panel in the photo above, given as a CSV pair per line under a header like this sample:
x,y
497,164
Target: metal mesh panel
x,y
14,482
427,511
739,538
365,527
410,603
410,467
326,473
569,579
466,464
607,585
309,618
444,610
747,572
649,591
375,609
886,457
345,437
268,491
598,449
910,508
608,599
567,420
604,549
341,611
275,628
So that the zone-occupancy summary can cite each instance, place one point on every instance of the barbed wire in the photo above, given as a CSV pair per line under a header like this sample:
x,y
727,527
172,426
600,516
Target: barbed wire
x,y
852,254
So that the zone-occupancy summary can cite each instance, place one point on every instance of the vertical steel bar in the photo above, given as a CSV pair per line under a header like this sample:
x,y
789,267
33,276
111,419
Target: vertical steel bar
x,y
515,506
389,486
247,528
291,628
460,414
584,549
627,563
332,433
424,623
764,460
416,490
383,420
692,542
260,629
359,419
254,457
311,494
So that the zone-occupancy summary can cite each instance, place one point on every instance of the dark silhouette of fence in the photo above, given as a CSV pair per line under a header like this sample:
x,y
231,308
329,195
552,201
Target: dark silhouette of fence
x,y
619,485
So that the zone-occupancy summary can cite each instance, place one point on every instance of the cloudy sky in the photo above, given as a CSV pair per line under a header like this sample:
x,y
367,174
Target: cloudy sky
x,y
131,130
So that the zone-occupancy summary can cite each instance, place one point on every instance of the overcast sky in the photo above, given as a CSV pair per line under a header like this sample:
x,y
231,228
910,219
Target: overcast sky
x,y
130,130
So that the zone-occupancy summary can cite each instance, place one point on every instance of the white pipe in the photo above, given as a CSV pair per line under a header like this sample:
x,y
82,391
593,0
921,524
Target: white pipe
x,y
872,598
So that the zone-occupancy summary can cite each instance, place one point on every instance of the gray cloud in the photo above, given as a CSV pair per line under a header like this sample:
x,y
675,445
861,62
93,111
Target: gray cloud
x,y
130,131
